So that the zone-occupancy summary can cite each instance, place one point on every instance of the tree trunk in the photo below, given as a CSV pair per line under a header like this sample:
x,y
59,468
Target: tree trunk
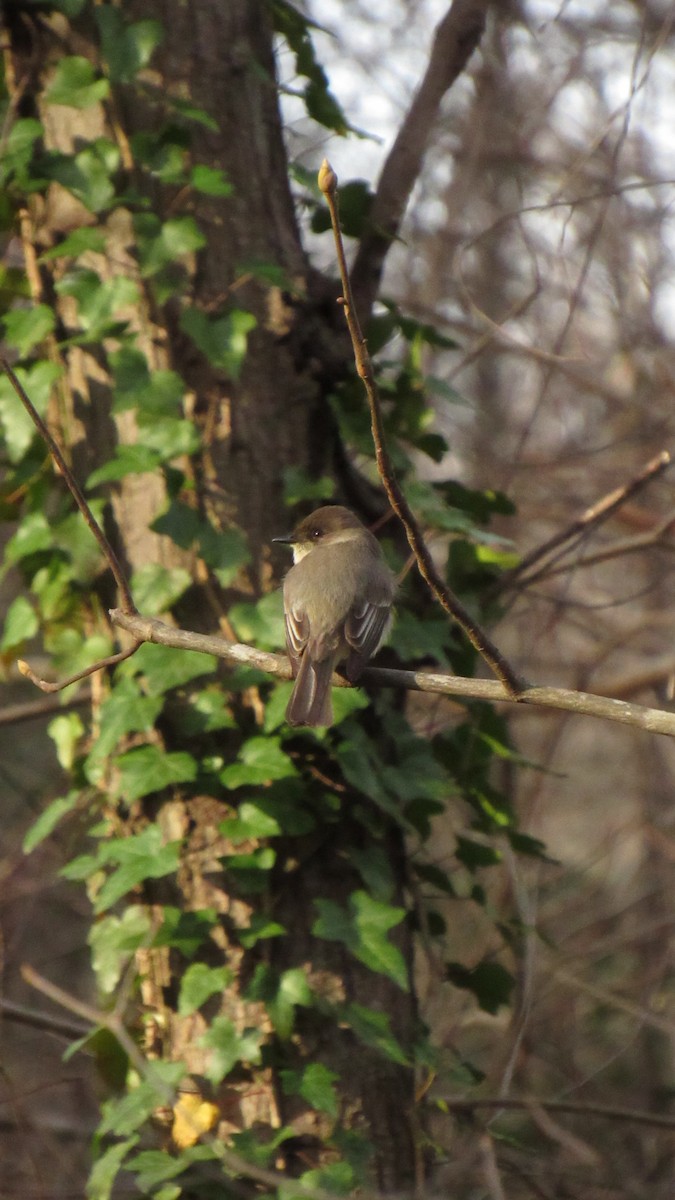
x,y
273,416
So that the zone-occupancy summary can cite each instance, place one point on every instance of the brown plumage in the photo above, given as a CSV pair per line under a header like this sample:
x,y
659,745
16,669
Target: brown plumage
x,y
337,602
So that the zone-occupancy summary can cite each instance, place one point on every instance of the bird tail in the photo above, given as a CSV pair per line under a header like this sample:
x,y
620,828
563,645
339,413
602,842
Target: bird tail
x,y
310,702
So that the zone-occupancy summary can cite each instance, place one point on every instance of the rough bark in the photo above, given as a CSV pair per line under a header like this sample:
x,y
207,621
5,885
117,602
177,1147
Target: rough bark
x,y
221,57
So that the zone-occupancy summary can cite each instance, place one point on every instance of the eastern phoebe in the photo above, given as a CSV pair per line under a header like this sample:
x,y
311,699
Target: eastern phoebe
x,y
337,603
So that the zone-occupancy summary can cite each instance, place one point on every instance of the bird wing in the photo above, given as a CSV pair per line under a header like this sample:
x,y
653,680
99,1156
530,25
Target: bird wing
x,y
365,627
297,636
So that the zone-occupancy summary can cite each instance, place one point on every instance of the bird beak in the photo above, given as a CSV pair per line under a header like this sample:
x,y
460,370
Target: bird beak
x,y
286,540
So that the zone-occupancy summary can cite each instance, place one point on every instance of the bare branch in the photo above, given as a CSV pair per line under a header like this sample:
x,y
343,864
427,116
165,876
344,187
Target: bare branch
x,y
74,488
590,519
455,40
653,720
15,714
634,1115
477,636
61,1026
46,685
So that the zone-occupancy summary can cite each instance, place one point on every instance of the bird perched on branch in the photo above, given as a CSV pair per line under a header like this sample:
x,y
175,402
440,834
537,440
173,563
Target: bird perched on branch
x,y
337,603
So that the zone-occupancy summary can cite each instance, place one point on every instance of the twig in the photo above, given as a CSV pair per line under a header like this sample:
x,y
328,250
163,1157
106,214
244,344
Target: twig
x,y
41,1020
45,685
608,1111
618,549
456,37
477,636
230,1161
490,1169
653,720
591,518
74,488
14,714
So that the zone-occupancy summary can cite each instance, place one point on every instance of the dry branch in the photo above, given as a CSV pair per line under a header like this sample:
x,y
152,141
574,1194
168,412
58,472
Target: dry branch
x,y
74,488
364,367
564,540
654,720
457,36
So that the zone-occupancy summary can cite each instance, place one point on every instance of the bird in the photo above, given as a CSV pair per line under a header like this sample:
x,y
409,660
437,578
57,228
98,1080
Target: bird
x,y
338,600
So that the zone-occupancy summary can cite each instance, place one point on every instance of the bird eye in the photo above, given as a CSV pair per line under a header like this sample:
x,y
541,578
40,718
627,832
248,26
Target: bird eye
x,y
316,532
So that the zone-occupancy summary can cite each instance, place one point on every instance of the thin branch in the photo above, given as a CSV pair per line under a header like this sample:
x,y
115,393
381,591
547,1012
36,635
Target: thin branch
x,y
633,545
41,1020
477,636
607,1111
46,685
112,1022
74,488
15,714
95,1018
653,720
457,36
590,519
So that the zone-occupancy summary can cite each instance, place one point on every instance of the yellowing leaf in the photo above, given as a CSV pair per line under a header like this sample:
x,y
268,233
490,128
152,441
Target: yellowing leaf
x,y
192,1116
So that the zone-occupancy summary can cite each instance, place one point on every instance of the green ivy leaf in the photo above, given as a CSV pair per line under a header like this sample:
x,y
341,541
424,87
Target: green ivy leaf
x,y
250,823
52,585
128,460
152,1167
20,625
126,46
262,623
162,243
73,536
298,485
261,759
17,427
65,732
490,983
259,929
124,711
375,869
76,243
49,819
114,940
363,930
107,1166
228,1047
191,112
476,854
127,1114
414,637
170,438
199,983
186,931
153,393
206,712
87,174
75,85
356,201
156,588
23,328
281,994
211,181
224,551
149,769
319,101
222,340
165,668
315,1085
250,872
143,856
374,1030
98,300
18,150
